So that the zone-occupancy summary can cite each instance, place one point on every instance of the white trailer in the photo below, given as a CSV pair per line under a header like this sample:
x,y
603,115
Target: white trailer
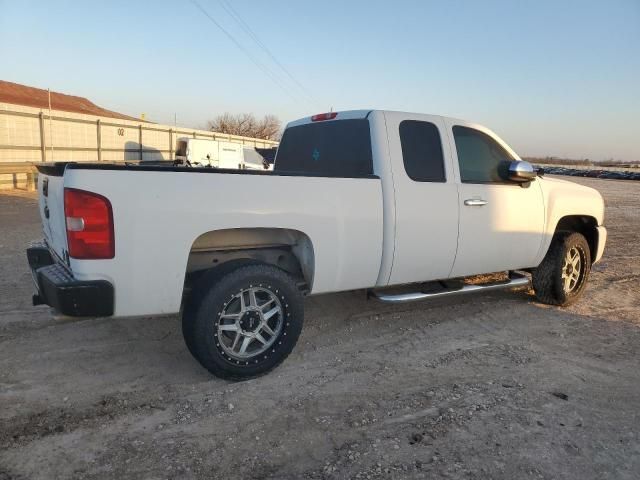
x,y
202,152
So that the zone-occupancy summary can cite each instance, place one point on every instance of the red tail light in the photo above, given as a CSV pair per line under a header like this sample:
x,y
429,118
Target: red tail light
x,y
324,116
89,220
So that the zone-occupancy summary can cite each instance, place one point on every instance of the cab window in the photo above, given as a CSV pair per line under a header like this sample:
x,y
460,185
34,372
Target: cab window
x,y
481,158
338,148
422,151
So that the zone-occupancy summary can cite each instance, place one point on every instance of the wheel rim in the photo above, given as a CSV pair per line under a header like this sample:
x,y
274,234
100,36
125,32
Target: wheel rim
x,y
572,270
249,323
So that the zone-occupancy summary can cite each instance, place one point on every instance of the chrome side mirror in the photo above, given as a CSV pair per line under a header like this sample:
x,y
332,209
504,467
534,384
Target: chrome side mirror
x,y
521,171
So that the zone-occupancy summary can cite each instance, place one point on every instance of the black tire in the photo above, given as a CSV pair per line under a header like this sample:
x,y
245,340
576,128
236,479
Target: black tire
x,y
200,288
220,291
548,282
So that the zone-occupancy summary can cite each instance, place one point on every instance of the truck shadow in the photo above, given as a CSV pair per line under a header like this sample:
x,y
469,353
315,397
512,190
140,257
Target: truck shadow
x,y
136,152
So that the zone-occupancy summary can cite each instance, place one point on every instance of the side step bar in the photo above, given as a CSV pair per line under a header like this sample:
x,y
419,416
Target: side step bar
x,y
514,280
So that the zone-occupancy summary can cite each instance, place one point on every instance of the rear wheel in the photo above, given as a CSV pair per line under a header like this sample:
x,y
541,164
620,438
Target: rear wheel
x,y
244,323
562,276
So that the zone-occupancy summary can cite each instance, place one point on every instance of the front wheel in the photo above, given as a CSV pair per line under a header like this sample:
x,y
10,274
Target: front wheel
x,y
246,322
562,276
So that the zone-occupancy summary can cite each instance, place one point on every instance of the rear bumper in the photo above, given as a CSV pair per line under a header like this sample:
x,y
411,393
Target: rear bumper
x,y
57,287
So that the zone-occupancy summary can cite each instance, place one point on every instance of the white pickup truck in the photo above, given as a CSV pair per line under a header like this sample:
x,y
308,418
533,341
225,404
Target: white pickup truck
x,y
357,200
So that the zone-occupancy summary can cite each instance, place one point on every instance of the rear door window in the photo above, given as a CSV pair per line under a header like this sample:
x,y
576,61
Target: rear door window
x,y
338,148
422,151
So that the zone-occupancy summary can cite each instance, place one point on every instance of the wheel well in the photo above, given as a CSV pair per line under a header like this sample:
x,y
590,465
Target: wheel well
x,y
583,224
287,249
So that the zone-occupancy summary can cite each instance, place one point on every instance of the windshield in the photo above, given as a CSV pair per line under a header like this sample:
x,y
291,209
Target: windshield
x,y
253,158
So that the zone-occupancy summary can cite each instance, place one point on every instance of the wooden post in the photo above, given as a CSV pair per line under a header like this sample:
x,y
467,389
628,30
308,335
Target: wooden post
x,y
43,154
99,139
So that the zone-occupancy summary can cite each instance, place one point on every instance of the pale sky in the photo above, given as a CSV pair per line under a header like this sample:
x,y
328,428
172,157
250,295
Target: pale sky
x,y
557,78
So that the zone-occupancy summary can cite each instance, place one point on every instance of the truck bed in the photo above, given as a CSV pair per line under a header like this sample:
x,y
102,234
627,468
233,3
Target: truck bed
x,y
160,211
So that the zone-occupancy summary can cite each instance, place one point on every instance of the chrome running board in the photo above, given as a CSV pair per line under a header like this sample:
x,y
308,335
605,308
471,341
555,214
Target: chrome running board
x,y
514,280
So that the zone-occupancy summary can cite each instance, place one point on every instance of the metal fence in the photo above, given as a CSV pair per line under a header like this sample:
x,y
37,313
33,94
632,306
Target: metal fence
x,y
29,136
36,136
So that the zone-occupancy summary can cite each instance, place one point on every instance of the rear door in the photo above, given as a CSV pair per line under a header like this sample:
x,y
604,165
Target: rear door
x,y
426,198
501,222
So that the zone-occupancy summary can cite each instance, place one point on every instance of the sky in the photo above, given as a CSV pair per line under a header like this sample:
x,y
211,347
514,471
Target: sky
x,y
552,78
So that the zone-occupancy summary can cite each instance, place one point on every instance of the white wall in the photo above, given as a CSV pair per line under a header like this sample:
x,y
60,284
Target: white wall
x,y
74,137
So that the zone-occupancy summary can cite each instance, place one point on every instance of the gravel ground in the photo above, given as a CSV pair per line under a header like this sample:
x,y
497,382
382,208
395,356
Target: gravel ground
x,y
487,386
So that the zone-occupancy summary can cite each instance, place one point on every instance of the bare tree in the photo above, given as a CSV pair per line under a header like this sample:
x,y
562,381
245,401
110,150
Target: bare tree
x,y
246,124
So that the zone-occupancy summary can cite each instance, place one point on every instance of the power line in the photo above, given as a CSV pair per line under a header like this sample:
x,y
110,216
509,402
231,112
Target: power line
x,y
232,11
255,61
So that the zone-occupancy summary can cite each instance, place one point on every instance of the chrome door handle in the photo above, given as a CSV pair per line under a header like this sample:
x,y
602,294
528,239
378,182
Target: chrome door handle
x,y
475,202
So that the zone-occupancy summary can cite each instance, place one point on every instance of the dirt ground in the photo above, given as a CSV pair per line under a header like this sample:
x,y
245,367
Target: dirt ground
x,y
487,386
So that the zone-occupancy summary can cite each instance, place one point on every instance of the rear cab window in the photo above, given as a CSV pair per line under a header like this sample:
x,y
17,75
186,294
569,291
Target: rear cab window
x,y
336,148
422,151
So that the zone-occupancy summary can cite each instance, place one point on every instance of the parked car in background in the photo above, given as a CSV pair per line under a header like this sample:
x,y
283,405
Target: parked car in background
x,y
201,152
269,156
362,199
253,160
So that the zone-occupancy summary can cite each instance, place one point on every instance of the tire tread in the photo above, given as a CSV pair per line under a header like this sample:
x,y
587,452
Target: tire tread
x,y
547,282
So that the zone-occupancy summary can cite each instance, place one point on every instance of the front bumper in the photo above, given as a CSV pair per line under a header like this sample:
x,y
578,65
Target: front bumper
x,y
57,287
602,240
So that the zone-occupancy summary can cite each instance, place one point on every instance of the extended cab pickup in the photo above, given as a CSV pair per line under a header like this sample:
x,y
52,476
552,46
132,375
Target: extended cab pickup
x,y
357,200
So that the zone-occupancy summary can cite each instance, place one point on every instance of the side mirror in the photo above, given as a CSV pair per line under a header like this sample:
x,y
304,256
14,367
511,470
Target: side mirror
x,y
521,171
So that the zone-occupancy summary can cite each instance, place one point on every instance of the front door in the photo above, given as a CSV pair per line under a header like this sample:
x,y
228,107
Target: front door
x,y
501,222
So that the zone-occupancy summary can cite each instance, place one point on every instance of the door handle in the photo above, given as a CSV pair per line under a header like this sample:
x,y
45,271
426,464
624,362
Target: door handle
x,y
475,202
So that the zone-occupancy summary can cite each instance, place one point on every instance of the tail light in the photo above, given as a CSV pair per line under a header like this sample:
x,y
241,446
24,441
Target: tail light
x,y
89,220
324,116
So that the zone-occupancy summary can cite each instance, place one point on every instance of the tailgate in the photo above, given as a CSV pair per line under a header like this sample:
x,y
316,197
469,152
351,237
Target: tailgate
x,y
51,206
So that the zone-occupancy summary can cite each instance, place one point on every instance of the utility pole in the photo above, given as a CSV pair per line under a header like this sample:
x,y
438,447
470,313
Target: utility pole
x,y
50,124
